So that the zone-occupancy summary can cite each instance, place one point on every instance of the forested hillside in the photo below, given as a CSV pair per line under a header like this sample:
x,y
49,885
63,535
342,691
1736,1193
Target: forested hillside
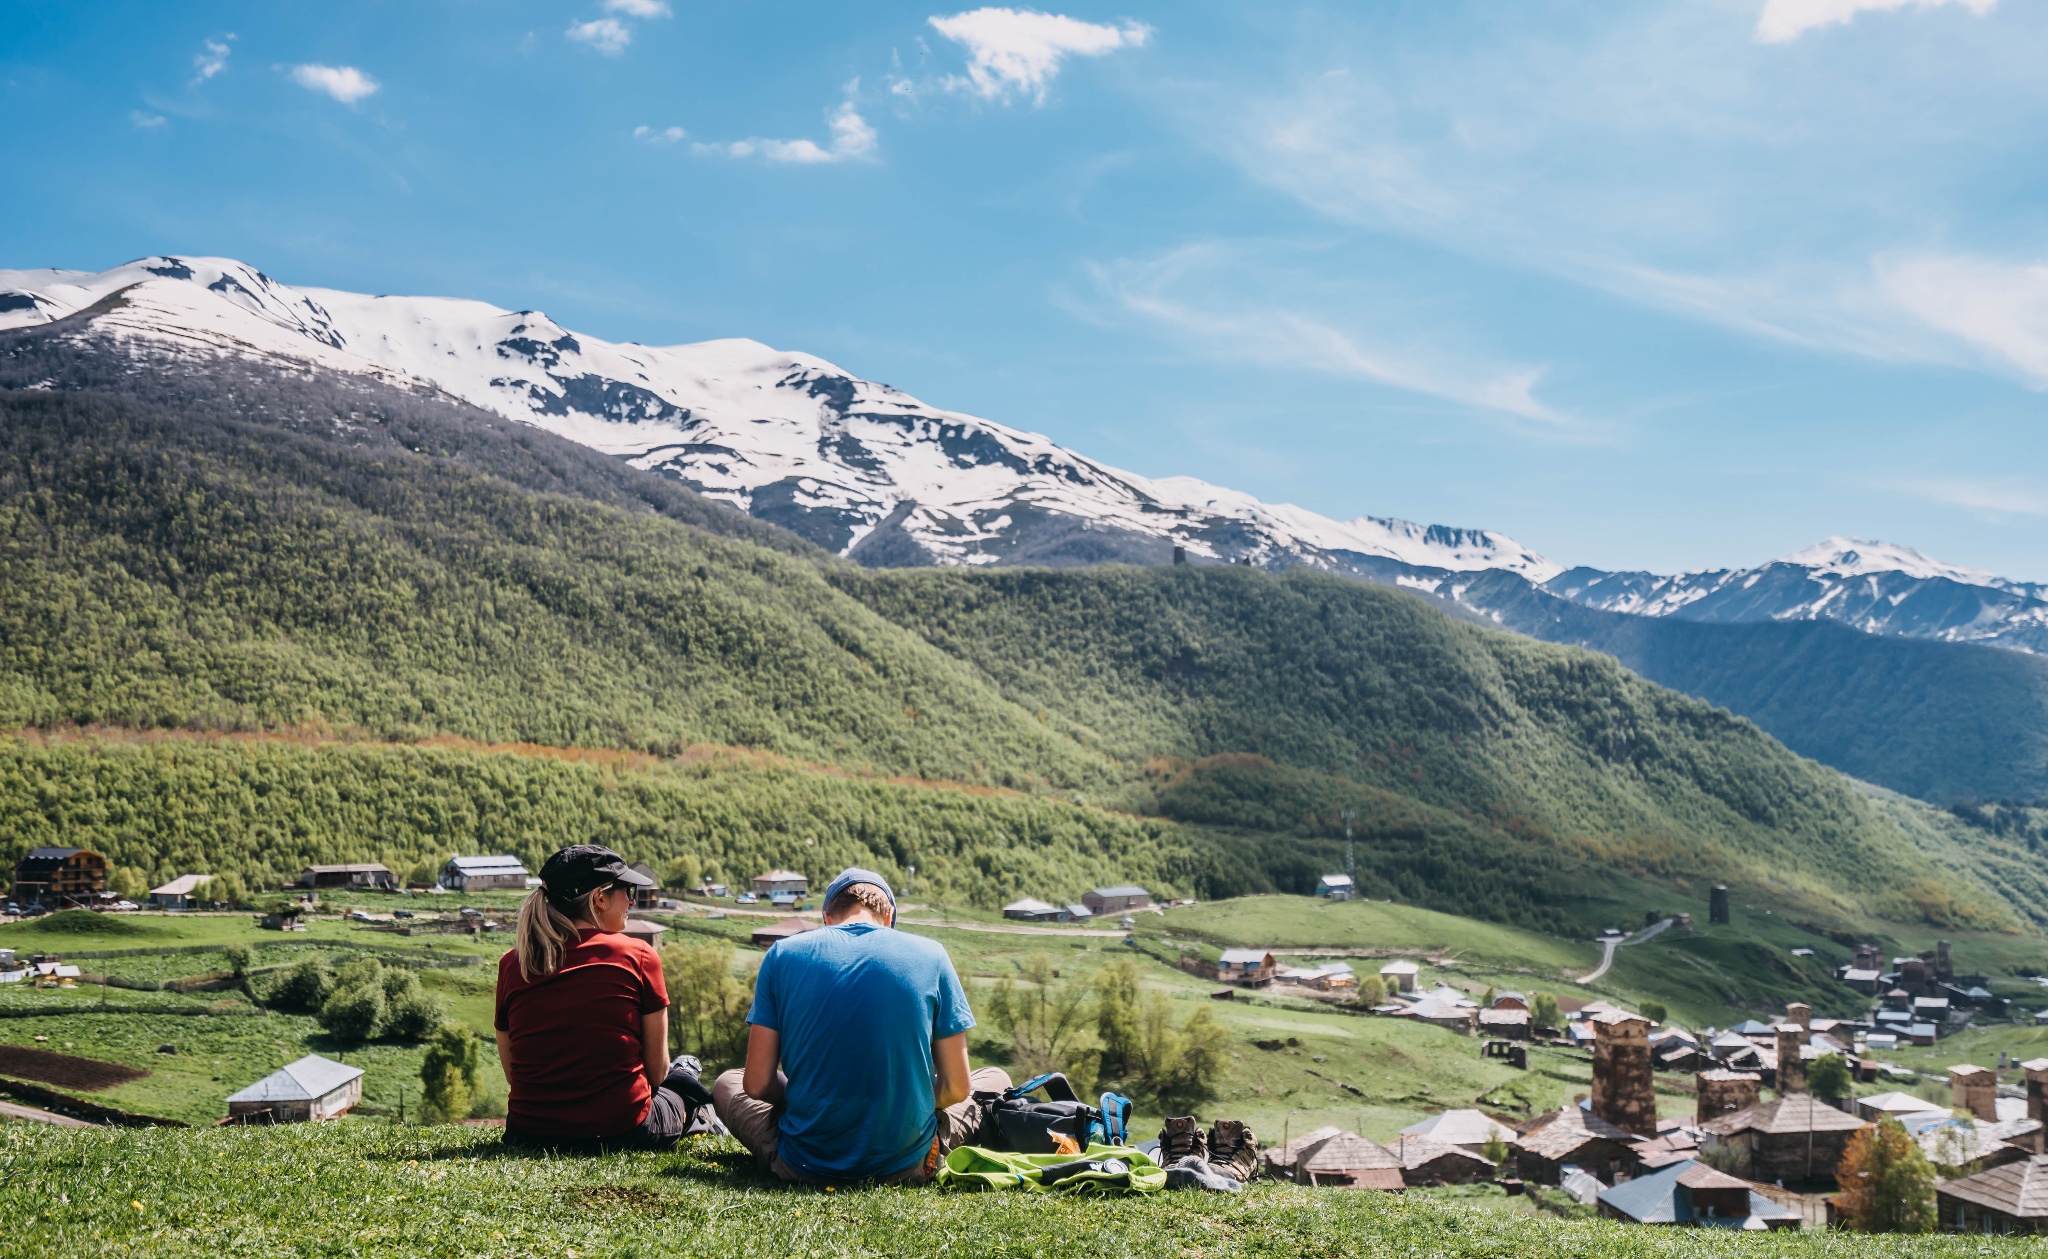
x,y
294,559
1940,721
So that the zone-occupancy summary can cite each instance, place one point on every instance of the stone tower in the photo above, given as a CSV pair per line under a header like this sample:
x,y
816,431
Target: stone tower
x,y
1974,1089
1717,904
2037,1089
1624,1091
1791,1067
1723,1092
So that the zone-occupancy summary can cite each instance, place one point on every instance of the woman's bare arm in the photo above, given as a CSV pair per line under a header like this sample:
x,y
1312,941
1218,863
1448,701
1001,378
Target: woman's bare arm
x,y
654,1046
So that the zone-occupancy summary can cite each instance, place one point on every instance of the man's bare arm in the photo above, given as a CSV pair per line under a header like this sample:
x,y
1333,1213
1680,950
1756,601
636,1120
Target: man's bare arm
x,y
949,1056
764,1050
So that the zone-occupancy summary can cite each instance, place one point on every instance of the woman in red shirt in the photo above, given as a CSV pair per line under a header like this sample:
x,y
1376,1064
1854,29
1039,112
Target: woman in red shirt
x,y
583,1016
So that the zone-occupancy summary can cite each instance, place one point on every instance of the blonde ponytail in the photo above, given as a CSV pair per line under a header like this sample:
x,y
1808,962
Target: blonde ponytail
x,y
545,934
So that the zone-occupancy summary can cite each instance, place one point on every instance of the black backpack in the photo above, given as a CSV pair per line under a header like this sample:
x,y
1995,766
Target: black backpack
x,y
1010,1120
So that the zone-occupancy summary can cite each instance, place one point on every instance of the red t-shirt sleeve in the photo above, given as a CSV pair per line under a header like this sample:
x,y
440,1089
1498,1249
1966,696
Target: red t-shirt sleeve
x,y
654,988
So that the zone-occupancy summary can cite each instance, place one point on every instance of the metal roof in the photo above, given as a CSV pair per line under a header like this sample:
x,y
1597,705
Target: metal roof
x,y
502,861
1460,1127
183,885
1122,891
1335,880
310,1078
1030,905
51,854
1246,957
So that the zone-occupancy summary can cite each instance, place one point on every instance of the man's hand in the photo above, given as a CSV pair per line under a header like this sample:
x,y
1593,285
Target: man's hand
x,y
762,1081
949,1057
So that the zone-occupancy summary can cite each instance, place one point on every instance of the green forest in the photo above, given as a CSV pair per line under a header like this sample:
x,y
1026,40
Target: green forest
x,y
283,609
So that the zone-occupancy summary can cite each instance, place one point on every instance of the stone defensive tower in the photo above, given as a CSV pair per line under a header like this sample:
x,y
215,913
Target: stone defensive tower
x,y
1717,904
1724,1092
1791,1067
1624,1091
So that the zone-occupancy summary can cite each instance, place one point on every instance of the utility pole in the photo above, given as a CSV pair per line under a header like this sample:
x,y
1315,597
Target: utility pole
x,y
1350,866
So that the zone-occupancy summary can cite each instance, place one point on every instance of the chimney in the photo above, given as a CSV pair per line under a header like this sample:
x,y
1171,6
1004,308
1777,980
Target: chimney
x,y
1974,1089
2037,1089
1624,1091
1717,904
1800,1015
1725,1092
1791,1067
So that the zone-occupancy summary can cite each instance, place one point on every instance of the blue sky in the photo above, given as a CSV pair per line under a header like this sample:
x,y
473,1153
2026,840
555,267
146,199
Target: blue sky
x,y
1647,285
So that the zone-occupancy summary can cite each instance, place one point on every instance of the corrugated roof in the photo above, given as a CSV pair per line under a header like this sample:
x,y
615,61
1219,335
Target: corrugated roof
x,y
1030,905
359,867
183,885
310,1078
1122,891
781,876
51,854
506,861
1246,957
2017,1189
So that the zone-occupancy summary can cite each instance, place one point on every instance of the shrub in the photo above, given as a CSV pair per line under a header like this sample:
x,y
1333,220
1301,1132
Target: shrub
x,y
448,1076
1887,1182
227,888
707,1003
1048,1022
1829,1078
240,957
1543,1011
414,1014
304,986
1655,1011
354,1014
1372,991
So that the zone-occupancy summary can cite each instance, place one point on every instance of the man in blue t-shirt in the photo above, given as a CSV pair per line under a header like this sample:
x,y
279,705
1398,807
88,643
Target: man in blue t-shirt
x,y
869,1026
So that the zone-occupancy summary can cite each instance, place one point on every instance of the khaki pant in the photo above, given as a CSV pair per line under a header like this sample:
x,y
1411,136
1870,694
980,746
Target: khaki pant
x,y
753,1122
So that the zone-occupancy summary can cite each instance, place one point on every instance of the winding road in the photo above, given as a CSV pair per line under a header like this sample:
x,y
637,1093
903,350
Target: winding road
x,y
1615,942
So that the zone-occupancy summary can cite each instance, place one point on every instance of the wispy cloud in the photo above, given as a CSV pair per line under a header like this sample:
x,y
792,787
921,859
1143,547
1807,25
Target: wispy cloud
x,y
1998,308
659,135
1784,20
146,120
637,8
1017,52
1191,294
607,35
853,139
212,58
1992,498
344,83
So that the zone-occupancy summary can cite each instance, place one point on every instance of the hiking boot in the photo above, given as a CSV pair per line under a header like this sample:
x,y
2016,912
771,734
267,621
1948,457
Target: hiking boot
x,y
1233,1150
1181,1137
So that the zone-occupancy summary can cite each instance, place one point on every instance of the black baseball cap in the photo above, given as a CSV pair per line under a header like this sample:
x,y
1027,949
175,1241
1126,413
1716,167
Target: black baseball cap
x,y
581,869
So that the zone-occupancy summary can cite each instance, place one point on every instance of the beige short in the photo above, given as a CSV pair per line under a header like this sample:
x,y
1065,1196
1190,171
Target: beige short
x,y
753,1122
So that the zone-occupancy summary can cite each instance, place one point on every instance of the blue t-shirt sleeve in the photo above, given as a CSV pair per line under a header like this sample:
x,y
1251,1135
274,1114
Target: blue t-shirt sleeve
x,y
953,1015
763,1012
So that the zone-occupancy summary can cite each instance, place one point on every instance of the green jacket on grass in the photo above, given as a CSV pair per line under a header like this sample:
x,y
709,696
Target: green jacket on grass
x,y
971,1167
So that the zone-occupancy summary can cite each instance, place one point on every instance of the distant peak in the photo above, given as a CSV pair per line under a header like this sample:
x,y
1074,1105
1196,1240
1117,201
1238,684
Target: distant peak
x,y
1855,557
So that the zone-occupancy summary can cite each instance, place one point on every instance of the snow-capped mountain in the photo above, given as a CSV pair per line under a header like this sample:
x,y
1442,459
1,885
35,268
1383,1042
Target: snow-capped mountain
x,y
1876,587
858,467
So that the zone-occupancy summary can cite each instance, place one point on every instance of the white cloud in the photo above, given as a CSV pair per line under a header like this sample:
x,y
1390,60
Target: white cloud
x,y
1784,20
1225,321
213,58
607,35
1017,52
853,139
637,8
147,121
344,83
1999,308
659,135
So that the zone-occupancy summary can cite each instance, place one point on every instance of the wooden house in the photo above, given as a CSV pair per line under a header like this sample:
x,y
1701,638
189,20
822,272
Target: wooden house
x,y
55,876
309,1090
1116,900
2005,1200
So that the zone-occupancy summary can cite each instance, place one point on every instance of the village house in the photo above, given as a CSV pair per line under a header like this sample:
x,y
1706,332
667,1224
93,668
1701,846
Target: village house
x,y
1245,966
179,893
1279,1162
1349,1161
1467,1129
309,1090
1794,1138
367,874
648,933
1504,1023
1572,1135
1329,977
1427,1161
1116,900
56,876
649,896
1337,887
1690,1193
1031,910
1897,1105
765,936
2004,1200
484,874
1399,976
772,882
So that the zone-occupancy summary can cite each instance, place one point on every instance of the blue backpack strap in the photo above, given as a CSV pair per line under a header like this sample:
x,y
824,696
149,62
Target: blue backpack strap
x,y
1053,1082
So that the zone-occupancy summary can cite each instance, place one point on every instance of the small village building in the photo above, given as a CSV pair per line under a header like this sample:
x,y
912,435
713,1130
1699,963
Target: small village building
x,y
1031,910
1896,1105
309,1090
484,874
787,900
1400,976
765,936
1280,1161
1330,977
1337,887
1863,981
1078,912
1572,1135
1510,1001
1467,1129
1349,1161
1690,1193
1794,1138
646,932
1455,1015
365,874
179,893
2004,1200
769,882
1246,966
1116,900
1923,1034
54,876
1427,1161
649,896
1508,1024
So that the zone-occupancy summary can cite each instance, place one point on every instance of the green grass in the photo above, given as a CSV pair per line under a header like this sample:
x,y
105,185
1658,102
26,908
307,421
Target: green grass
x,y
340,1190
